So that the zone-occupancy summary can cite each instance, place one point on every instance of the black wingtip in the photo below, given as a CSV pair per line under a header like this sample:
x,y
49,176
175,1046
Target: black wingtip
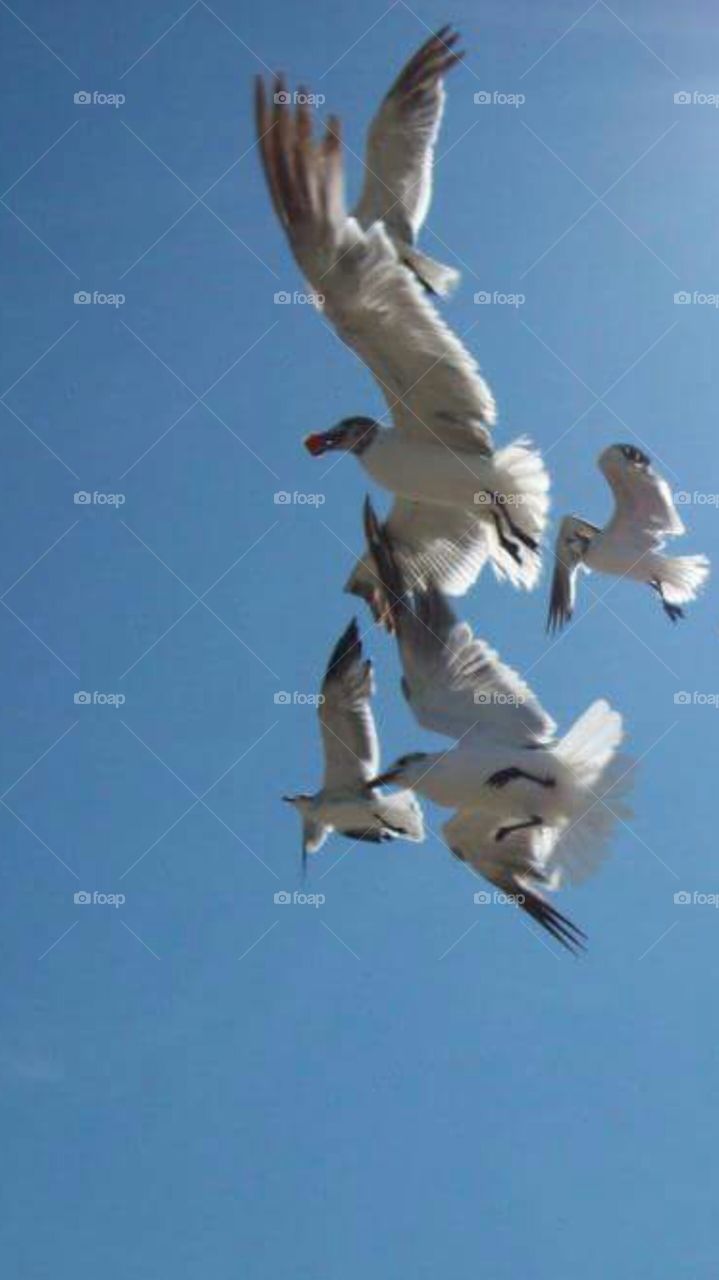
x,y
348,647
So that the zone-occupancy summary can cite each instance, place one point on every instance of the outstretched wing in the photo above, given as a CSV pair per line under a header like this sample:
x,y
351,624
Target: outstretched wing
x,y
430,381
443,545
349,735
454,682
402,138
573,540
514,858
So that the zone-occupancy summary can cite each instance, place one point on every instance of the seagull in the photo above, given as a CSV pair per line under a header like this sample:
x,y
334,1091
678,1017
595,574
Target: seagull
x,y
630,544
507,772
349,802
399,157
458,501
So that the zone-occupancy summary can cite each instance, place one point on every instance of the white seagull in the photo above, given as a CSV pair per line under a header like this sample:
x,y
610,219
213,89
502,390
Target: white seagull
x,y
458,502
399,157
507,773
631,543
349,802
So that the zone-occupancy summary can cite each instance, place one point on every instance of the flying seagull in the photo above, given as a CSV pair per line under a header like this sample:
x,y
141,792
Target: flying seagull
x,y
631,543
507,771
399,157
349,802
458,501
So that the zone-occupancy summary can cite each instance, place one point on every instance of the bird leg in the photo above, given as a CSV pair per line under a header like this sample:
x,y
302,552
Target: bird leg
x,y
505,543
511,774
673,611
516,530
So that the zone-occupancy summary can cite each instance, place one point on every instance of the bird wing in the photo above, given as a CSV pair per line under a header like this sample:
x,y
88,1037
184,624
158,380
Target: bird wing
x,y
644,508
349,734
454,682
573,540
401,141
515,860
446,545
431,383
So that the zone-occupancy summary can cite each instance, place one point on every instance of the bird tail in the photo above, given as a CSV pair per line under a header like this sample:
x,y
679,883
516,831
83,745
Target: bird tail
x,y
598,783
521,483
583,844
435,276
682,577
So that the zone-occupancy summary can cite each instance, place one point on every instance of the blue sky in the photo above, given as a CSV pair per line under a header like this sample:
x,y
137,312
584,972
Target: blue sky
x,y
198,1081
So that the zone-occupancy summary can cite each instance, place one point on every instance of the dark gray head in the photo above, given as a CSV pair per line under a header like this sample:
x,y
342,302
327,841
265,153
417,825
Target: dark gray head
x,y
352,435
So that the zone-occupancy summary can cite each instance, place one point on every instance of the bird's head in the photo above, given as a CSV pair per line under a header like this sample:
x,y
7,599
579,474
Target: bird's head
x,y
405,772
620,458
352,435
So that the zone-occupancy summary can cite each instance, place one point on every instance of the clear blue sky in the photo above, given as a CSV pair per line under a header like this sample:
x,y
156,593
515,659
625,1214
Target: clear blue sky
x,y
199,1082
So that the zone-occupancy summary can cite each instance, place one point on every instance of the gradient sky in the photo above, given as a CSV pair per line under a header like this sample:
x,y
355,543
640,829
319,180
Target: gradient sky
x,y
200,1082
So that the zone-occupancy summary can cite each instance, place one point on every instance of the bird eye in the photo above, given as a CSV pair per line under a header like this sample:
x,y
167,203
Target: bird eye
x,y
635,455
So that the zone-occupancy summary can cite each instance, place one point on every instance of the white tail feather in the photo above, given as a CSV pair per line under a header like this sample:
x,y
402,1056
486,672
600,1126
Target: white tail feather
x,y
682,577
583,845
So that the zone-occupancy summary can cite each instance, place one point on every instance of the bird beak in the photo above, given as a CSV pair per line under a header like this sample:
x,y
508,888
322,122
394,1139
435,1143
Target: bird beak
x,y
288,799
321,442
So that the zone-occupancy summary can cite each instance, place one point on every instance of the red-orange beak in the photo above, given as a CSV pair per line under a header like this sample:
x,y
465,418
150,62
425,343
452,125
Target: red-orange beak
x,y
315,444
322,441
